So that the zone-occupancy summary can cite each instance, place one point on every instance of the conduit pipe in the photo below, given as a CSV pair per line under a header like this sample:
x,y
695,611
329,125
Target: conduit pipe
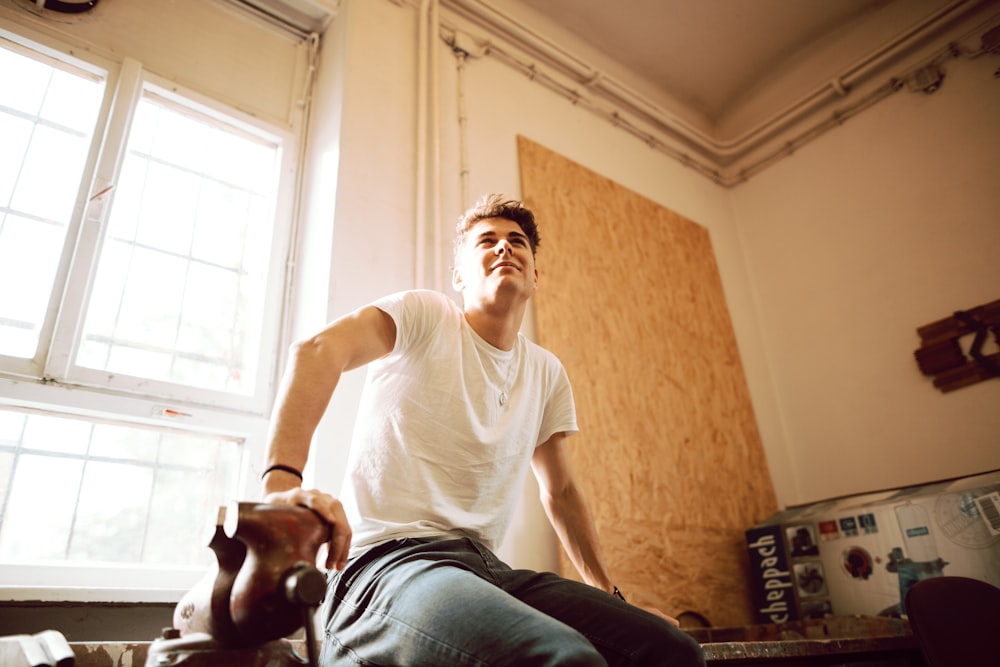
x,y
842,115
435,132
839,87
721,151
420,256
463,47
305,104
463,120
611,115
428,176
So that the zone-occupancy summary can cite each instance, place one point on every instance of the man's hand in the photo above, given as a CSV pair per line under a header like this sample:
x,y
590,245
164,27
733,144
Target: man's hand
x,y
331,511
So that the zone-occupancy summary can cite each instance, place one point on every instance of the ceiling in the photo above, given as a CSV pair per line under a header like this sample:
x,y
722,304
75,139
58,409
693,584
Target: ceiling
x,y
708,54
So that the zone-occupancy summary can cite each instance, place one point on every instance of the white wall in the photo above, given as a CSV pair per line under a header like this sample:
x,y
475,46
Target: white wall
x,y
886,224
358,243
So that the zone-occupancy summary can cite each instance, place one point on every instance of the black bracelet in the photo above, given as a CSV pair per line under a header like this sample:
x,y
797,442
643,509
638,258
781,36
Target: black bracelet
x,y
618,594
289,469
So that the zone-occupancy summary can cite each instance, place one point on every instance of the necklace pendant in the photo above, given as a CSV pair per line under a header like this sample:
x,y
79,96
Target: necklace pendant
x,y
503,398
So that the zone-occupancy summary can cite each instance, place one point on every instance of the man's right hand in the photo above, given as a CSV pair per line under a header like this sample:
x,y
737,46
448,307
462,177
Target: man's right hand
x,y
330,510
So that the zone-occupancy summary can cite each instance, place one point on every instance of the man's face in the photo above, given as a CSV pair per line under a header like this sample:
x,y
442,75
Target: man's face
x,y
495,259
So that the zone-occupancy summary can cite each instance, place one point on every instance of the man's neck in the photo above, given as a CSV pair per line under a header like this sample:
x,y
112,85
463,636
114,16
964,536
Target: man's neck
x,y
497,326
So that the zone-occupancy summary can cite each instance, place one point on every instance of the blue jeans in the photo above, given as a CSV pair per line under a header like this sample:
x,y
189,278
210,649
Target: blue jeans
x,y
453,603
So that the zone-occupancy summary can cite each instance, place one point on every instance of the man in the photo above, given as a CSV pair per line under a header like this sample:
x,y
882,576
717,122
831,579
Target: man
x,y
457,406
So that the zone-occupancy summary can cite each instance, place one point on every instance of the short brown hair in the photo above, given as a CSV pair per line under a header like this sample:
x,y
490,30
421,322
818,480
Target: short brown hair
x,y
495,206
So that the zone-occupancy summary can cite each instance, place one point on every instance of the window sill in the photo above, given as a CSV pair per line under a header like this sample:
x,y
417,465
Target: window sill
x,y
53,594
112,583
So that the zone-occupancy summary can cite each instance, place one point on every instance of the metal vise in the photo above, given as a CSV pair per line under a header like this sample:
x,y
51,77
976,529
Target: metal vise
x,y
265,588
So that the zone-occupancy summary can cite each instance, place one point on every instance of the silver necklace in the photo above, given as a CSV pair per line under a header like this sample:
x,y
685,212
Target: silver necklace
x,y
503,392
511,366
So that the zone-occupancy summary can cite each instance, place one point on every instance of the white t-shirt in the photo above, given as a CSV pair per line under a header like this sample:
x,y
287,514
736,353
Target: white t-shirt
x,y
447,426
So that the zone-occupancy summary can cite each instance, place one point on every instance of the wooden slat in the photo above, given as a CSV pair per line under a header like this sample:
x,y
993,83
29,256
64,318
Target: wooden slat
x,y
952,327
940,354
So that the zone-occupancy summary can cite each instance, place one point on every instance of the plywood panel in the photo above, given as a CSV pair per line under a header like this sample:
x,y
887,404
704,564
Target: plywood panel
x,y
669,454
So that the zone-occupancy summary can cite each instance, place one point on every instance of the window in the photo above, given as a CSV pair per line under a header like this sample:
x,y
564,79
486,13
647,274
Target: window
x,y
181,278
47,119
142,263
104,492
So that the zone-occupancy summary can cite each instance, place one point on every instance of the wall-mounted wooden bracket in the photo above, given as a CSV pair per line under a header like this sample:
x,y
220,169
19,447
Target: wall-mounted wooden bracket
x,y
941,355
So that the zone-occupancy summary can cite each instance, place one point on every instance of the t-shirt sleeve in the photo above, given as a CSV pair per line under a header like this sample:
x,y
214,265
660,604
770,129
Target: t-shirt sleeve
x,y
560,409
411,311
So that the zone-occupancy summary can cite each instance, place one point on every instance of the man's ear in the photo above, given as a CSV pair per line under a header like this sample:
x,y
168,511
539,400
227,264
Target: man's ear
x,y
456,279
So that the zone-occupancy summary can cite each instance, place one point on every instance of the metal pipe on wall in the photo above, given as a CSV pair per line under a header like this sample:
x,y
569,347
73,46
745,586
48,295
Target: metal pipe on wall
x,y
463,120
720,151
435,137
428,176
420,226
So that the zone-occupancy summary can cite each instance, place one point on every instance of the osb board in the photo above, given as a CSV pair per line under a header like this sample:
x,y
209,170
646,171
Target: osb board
x,y
669,454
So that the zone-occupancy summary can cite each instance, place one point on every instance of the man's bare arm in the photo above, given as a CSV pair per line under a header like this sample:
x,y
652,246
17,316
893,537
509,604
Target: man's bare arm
x,y
568,511
570,516
314,369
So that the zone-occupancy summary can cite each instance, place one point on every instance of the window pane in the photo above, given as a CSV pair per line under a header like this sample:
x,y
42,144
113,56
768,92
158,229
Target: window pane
x,y
38,513
15,133
180,285
50,174
96,492
72,101
111,513
127,444
23,82
11,427
29,256
47,117
56,434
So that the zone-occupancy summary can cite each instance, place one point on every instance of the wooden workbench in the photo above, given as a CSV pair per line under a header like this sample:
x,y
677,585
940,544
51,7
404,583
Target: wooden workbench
x,y
836,641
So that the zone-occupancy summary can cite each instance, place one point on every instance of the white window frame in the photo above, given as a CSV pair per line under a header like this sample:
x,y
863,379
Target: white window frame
x,y
62,328
34,367
51,382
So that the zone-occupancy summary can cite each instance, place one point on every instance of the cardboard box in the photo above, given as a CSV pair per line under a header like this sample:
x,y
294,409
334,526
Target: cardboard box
x,y
859,555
